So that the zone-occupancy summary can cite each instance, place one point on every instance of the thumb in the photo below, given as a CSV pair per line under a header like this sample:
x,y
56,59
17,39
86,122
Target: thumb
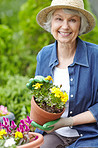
x,y
50,123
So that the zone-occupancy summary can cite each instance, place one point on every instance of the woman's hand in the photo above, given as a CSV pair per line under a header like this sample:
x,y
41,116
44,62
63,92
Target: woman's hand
x,y
82,118
53,125
62,122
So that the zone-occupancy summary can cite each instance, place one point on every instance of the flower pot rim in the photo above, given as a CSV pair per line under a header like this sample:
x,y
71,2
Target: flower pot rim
x,y
42,110
38,141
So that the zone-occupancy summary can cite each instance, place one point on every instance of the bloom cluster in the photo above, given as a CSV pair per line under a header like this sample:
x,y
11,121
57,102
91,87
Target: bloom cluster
x,y
59,94
11,135
46,93
3,110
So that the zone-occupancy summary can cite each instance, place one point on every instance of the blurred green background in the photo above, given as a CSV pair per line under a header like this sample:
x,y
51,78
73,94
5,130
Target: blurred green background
x,y
20,40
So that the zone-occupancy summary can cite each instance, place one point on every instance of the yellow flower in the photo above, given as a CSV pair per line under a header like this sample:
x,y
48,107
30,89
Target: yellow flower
x,y
49,78
18,134
56,91
64,97
37,85
2,132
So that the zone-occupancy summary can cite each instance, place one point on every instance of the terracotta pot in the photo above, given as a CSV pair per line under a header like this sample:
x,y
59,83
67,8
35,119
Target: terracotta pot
x,y
33,144
41,116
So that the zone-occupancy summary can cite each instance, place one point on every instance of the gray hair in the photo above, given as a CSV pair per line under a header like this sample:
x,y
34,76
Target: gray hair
x,y
84,22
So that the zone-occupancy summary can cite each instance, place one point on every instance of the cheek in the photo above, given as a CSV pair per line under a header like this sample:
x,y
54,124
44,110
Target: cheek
x,y
53,28
76,28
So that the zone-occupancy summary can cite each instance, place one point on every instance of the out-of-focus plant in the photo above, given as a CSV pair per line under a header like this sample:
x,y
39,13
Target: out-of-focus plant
x,y
91,36
16,97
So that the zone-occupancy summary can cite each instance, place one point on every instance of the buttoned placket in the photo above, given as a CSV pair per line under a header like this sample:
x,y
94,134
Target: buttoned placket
x,y
71,93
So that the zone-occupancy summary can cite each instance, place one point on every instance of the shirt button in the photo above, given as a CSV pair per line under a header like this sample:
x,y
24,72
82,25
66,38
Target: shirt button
x,y
71,95
81,135
70,112
71,79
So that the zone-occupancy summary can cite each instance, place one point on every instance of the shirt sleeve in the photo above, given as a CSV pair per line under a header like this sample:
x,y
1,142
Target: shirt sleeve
x,y
94,110
38,65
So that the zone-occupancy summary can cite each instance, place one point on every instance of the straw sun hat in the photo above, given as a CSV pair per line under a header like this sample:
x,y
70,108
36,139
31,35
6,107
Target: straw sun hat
x,y
68,4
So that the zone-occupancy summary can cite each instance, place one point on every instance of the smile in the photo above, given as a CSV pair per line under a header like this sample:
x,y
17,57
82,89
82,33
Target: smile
x,y
64,33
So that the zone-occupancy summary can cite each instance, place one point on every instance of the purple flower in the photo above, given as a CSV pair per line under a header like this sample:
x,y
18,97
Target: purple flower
x,y
6,121
0,125
13,125
27,128
21,128
22,122
36,138
28,120
6,124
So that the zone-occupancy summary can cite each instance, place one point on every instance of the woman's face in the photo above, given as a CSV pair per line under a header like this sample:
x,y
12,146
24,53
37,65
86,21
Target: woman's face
x,y
64,26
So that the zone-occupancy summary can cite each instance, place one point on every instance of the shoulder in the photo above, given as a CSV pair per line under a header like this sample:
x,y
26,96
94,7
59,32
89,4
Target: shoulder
x,y
45,52
92,48
47,49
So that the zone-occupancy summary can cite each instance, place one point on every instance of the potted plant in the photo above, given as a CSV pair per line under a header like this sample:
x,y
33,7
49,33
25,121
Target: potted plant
x,y
48,101
5,113
12,136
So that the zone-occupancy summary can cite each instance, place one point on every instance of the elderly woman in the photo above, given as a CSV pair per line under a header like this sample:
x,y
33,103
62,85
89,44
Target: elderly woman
x,y
72,63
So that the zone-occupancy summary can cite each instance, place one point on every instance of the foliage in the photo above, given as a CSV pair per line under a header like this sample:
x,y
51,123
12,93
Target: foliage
x,y
46,94
35,37
16,96
91,36
13,135
9,13
17,58
5,38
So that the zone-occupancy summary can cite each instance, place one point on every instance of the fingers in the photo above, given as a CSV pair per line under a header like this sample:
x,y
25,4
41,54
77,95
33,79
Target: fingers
x,y
36,125
51,123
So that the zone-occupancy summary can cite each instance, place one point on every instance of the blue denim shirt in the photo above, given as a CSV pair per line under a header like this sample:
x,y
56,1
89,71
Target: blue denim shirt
x,y
83,96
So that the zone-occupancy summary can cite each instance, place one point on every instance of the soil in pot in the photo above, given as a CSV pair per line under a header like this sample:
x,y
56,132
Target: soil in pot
x,y
41,116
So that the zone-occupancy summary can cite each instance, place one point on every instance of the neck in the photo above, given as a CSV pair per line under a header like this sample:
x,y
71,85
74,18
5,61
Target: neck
x,y
66,53
66,50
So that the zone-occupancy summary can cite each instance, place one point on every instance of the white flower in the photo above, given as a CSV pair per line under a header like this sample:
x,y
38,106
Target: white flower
x,y
9,142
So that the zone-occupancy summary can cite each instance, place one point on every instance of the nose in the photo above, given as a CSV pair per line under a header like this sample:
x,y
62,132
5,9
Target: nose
x,y
65,24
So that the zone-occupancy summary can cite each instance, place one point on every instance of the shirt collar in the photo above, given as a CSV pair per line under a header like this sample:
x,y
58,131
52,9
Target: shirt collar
x,y
54,58
80,55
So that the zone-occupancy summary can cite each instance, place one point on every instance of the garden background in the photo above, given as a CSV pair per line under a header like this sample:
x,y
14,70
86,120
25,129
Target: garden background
x,y
20,40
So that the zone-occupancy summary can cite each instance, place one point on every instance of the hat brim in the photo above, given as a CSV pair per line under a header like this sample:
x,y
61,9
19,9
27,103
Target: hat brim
x,y
42,15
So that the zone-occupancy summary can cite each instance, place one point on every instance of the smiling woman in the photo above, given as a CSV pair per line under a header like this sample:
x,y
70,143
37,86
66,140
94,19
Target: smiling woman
x,y
84,22
65,27
72,63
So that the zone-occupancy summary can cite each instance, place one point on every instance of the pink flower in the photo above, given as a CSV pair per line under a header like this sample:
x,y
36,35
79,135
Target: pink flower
x,y
22,122
36,138
6,124
3,109
27,128
21,128
0,125
28,120
13,125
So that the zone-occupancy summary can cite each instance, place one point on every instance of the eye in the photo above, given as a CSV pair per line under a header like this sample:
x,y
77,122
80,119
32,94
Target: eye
x,y
59,19
73,20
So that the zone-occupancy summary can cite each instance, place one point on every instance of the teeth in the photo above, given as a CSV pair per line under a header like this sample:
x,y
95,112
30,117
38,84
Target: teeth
x,y
65,33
